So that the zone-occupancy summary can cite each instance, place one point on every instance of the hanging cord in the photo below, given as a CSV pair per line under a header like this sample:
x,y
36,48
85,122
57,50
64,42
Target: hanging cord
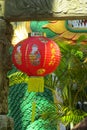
x,y
33,33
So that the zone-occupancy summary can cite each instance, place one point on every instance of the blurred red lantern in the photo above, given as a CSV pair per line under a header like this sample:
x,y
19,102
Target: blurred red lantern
x,y
36,55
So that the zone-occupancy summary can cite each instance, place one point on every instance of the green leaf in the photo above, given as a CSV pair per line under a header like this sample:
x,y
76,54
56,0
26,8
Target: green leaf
x,y
82,38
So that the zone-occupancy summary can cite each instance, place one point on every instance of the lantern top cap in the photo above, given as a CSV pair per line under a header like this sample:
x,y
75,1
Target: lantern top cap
x,y
36,34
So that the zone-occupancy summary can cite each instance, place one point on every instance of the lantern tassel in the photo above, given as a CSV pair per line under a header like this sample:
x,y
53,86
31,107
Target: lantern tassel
x,y
36,84
33,111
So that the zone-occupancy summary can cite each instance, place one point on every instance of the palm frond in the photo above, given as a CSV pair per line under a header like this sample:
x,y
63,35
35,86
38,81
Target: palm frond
x,y
17,78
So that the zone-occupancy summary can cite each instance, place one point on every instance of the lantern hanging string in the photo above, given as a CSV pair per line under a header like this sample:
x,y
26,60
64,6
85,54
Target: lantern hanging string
x,y
36,32
37,26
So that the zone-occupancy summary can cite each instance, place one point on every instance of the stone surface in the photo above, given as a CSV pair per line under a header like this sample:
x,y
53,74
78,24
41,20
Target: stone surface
x,y
45,9
2,2
6,123
5,64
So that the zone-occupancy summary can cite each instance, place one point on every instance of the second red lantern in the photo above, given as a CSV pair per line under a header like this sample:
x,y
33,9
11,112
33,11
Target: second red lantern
x,y
36,55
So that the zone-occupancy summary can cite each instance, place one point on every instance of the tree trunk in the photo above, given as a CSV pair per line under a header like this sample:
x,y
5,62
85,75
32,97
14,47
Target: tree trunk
x,y
6,32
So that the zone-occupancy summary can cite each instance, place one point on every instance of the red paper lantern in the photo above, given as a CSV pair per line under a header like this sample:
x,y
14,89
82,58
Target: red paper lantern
x,y
36,56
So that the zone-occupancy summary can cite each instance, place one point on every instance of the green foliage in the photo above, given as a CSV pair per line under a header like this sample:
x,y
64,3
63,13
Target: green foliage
x,y
72,73
70,80
82,38
17,78
74,116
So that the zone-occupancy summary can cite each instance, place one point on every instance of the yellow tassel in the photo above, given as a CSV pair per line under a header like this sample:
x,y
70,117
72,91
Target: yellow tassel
x,y
33,111
36,84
